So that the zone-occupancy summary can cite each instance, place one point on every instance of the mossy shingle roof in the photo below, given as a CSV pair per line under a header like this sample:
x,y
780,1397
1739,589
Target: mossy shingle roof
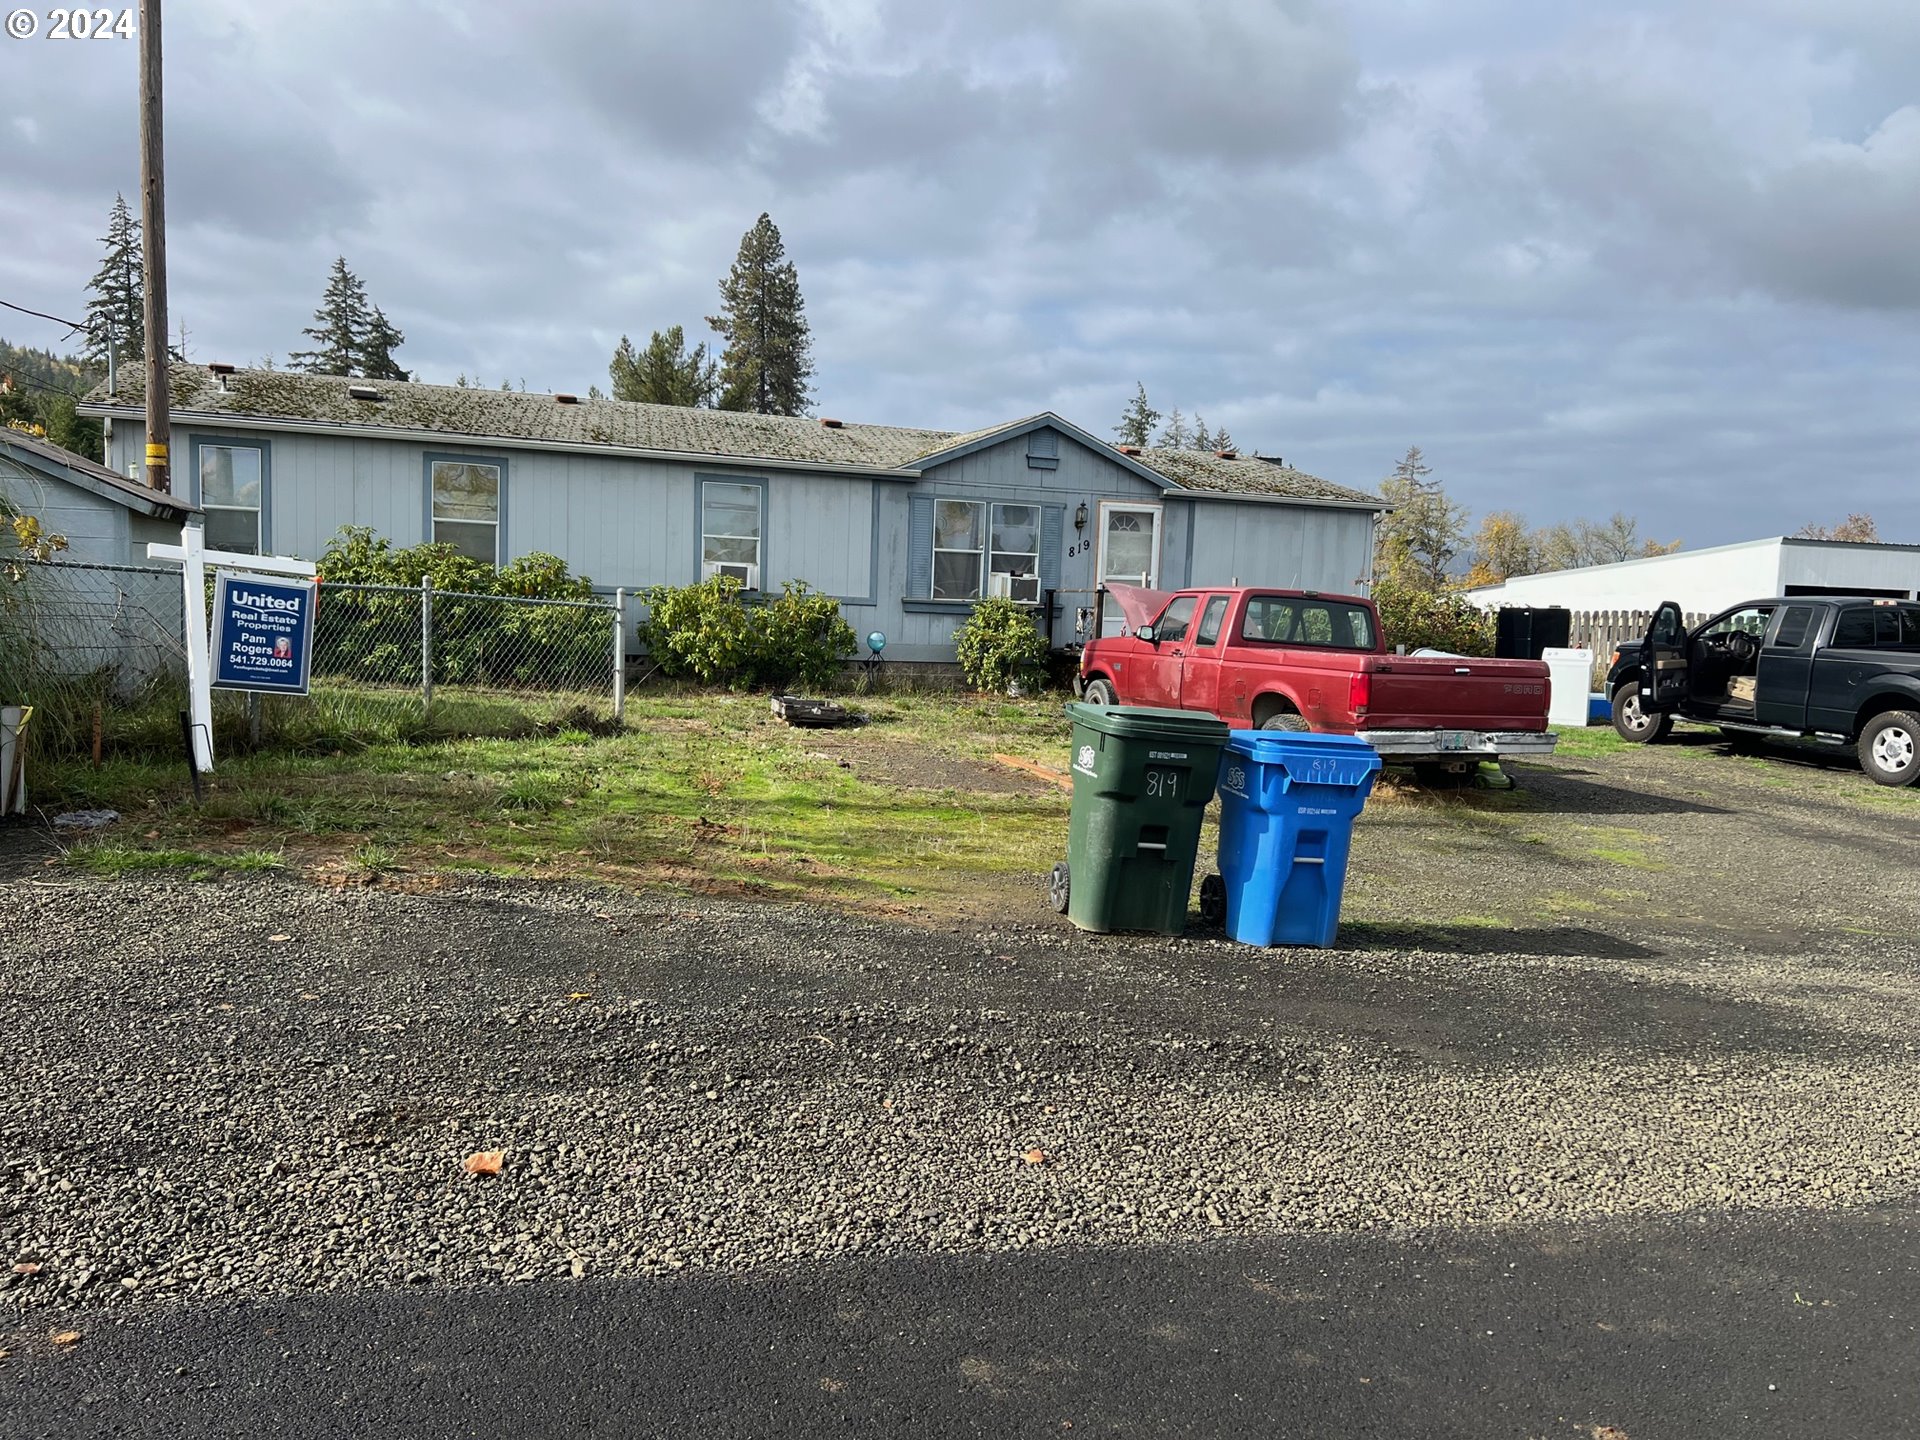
x,y
473,412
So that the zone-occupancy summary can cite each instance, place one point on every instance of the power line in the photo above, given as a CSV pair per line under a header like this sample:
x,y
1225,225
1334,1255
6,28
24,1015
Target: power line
x,y
74,327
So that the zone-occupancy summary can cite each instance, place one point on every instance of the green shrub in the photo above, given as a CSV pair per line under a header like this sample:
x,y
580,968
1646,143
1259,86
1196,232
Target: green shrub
x,y
1000,646
709,632
1424,619
479,636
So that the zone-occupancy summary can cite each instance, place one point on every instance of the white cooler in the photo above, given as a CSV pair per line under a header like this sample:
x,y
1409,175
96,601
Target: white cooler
x,y
1569,681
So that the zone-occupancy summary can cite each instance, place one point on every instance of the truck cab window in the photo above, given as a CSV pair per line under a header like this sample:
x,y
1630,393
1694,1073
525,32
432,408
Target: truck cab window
x,y
1794,624
1177,617
1854,630
1210,619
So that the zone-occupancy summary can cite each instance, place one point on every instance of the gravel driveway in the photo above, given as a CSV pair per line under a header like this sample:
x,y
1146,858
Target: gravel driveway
x,y
1662,983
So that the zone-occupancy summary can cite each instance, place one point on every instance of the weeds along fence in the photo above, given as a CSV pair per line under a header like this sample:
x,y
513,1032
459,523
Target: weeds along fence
x,y
99,651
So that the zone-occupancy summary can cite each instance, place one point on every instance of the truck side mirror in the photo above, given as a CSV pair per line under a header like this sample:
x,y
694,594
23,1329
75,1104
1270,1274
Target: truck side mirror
x,y
1146,633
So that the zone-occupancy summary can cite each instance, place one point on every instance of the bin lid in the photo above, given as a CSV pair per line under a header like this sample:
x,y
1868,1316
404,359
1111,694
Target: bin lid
x,y
1148,722
1307,757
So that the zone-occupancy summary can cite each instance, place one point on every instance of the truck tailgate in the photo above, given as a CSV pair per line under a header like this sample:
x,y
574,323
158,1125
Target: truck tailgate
x,y
1431,692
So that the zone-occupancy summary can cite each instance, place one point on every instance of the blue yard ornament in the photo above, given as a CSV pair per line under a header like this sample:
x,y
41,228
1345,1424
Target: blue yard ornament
x,y
876,640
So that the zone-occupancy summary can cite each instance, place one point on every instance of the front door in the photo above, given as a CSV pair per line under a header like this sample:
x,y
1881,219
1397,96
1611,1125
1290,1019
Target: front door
x,y
1129,553
1663,660
1200,670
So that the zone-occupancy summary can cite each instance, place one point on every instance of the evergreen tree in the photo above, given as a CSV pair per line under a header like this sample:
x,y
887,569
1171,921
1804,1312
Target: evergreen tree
x,y
664,373
1137,420
340,326
119,289
1221,440
768,360
377,346
1202,437
1176,436
1417,542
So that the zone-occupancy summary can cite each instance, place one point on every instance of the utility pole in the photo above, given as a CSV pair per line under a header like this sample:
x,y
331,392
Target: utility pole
x,y
153,225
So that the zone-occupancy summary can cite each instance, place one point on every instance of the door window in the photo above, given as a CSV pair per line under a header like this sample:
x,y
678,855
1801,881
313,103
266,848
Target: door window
x,y
1211,619
1130,552
1751,621
1794,624
1174,622
1854,630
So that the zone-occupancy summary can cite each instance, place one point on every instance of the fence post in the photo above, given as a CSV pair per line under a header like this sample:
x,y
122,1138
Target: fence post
x,y
620,655
426,644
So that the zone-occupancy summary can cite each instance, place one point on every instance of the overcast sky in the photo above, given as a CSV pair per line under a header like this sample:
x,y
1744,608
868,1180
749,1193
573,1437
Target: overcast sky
x,y
1662,258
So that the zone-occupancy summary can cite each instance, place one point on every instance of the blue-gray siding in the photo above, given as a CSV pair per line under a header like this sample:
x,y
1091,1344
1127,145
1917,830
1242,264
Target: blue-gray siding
x,y
635,522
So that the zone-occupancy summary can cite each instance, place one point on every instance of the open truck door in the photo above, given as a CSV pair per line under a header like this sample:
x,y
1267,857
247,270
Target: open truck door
x,y
1663,661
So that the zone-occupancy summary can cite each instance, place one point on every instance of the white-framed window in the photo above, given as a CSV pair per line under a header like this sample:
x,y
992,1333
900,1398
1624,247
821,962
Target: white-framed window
x,y
1013,561
230,495
466,506
959,547
731,525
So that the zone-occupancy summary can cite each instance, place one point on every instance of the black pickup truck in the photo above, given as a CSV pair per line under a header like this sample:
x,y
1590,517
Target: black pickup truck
x,y
1832,670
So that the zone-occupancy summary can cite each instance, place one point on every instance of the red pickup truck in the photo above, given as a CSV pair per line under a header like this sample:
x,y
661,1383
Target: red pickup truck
x,y
1299,660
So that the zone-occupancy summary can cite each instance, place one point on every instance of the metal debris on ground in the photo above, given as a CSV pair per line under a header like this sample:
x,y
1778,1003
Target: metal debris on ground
x,y
815,714
86,820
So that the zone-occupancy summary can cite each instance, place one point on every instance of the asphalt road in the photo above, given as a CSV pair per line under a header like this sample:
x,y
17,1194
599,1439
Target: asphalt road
x,y
1789,1325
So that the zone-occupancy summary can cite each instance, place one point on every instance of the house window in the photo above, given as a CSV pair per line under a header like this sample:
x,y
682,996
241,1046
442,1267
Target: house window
x,y
1013,566
466,507
959,528
730,532
230,492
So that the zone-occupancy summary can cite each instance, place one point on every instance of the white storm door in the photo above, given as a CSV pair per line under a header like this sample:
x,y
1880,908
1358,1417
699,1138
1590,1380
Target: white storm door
x,y
1129,553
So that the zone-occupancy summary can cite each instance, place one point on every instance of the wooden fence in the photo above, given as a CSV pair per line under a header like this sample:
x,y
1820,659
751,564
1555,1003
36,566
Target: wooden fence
x,y
1601,630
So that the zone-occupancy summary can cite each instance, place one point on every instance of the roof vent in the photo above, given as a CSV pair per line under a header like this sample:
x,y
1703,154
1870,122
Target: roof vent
x,y
364,392
1227,454
1128,449
566,399
830,424
220,367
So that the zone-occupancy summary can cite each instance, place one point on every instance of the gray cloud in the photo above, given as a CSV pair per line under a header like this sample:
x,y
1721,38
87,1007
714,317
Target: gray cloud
x,y
1652,260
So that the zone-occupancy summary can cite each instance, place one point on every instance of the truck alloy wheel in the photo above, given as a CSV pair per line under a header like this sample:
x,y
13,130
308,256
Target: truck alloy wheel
x,y
1890,748
1633,723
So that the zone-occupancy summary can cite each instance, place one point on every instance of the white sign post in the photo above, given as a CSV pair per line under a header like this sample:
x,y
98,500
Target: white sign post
x,y
194,559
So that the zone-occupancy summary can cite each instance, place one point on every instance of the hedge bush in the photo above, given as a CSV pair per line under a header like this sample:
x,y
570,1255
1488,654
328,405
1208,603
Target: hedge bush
x,y
1000,646
1437,620
710,632
479,636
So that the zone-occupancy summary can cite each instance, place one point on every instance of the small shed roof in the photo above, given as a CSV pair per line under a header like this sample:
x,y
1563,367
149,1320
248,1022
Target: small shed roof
x,y
46,458
334,401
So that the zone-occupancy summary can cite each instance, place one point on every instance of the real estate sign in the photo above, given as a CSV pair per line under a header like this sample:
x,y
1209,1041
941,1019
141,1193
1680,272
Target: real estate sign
x,y
262,633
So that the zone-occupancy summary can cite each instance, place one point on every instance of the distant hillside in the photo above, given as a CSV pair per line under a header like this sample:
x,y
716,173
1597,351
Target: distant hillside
x,y
38,390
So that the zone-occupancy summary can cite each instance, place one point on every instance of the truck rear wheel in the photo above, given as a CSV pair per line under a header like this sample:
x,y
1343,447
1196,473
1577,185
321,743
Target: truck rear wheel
x,y
1100,692
1286,720
1890,748
1630,722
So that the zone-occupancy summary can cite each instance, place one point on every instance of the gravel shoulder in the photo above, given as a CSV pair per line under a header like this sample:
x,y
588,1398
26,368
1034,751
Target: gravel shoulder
x,y
1630,991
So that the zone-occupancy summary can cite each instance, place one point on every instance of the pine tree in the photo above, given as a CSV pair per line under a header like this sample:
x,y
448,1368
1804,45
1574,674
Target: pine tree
x,y
119,291
1176,435
1222,441
339,328
377,345
768,360
1416,543
1202,437
664,373
1137,420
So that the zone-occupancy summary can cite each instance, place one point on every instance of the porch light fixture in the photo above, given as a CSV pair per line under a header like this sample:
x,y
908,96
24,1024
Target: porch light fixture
x,y
1080,517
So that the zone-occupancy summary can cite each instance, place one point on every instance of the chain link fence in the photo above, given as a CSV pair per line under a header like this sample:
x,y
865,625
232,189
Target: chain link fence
x,y
99,652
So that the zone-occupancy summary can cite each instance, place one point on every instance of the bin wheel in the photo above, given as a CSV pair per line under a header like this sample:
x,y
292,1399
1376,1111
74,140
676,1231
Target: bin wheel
x,y
1059,887
1213,901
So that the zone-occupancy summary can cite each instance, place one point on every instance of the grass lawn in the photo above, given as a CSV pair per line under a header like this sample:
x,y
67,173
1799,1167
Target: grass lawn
x,y
909,813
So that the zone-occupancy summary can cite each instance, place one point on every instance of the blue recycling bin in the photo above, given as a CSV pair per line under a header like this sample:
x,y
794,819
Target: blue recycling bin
x,y
1288,801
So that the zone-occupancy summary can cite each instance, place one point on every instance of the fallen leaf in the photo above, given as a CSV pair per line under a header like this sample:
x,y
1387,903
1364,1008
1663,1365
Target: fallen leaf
x,y
67,1337
484,1162
27,1267
1035,1156
153,835
278,939
579,995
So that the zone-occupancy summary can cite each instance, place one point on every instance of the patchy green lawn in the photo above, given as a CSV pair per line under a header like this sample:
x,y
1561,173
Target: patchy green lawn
x,y
708,792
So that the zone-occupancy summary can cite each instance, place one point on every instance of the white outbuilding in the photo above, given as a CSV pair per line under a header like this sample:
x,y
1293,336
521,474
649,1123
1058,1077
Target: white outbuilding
x,y
1704,582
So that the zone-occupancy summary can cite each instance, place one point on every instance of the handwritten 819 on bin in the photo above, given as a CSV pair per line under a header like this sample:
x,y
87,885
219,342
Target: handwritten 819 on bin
x,y
82,24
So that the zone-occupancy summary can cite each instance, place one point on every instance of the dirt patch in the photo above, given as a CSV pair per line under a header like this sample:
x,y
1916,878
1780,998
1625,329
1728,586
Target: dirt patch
x,y
913,767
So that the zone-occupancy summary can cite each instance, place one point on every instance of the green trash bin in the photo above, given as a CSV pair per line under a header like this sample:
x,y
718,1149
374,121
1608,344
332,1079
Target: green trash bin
x,y
1142,780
